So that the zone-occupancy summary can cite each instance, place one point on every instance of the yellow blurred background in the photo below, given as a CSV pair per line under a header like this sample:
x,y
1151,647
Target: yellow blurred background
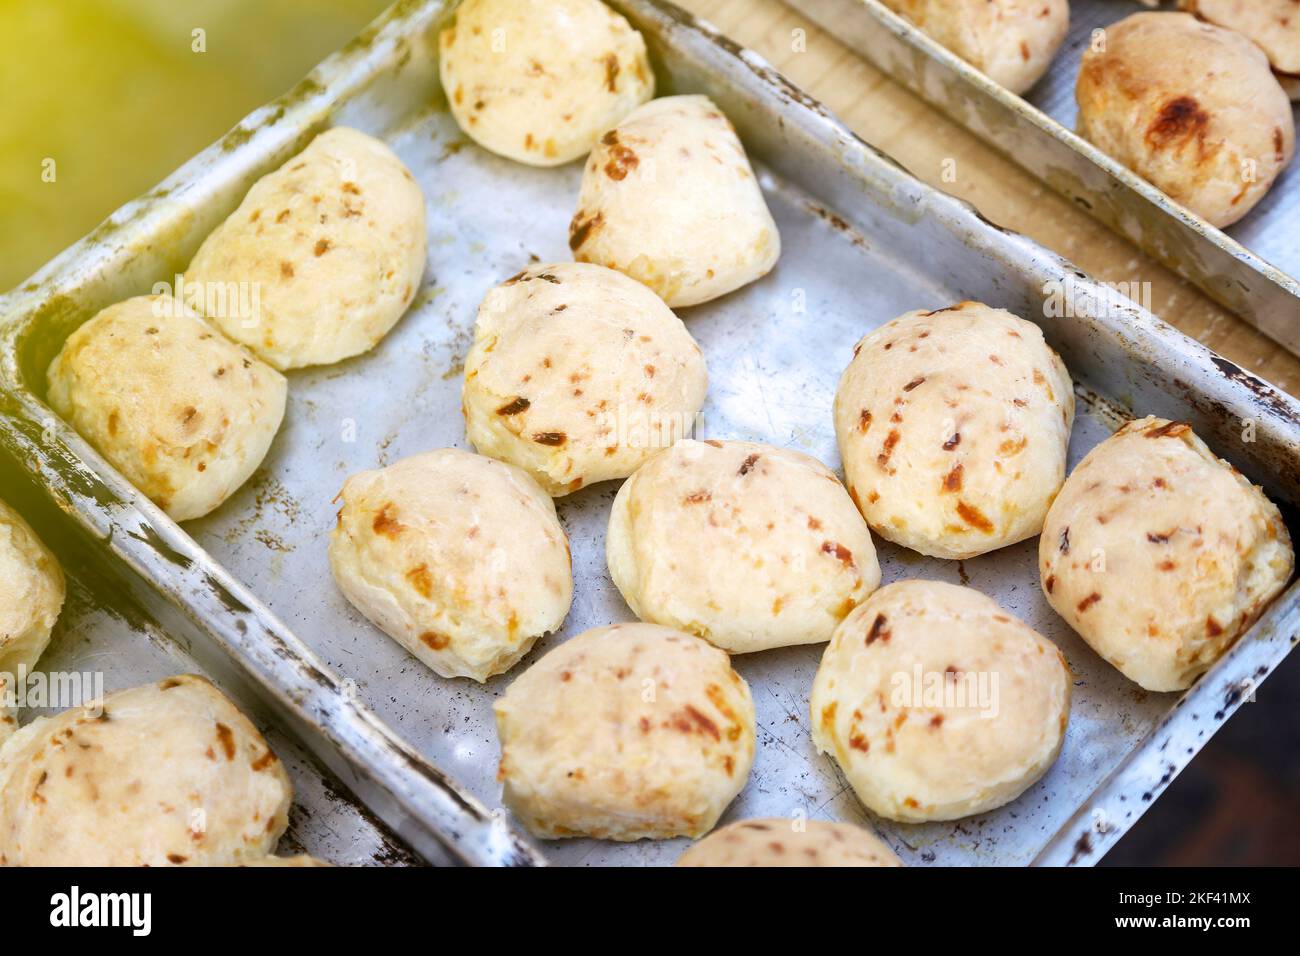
x,y
115,94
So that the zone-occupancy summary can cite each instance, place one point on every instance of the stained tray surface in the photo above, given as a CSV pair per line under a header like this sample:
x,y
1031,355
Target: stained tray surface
x,y
862,242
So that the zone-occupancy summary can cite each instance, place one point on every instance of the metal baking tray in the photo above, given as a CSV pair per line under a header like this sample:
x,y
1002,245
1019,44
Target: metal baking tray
x,y
863,242
1252,268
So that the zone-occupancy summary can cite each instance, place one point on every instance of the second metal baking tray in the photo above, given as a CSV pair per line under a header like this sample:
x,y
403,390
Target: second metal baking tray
x,y
1252,267
863,242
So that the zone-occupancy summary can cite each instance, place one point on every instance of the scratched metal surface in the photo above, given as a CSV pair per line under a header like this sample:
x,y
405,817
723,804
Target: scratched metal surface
x,y
1252,267
863,241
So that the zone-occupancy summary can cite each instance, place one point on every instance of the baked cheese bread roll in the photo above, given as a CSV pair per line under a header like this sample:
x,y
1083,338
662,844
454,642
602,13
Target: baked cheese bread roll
x,y
1160,554
1271,24
745,545
776,842
937,704
185,415
1011,41
538,81
669,198
1192,108
578,374
165,774
953,427
625,732
334,244
31,595
459,558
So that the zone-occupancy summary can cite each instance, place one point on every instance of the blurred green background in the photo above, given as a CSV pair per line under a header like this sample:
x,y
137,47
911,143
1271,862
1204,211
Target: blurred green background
x,y
113,92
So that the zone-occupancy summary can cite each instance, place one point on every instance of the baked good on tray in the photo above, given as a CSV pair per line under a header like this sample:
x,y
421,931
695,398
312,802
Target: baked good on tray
x,y
579,374
1190,107
538,81
745,545
457,557
625,732
1160,554
953,426
669,197
938,704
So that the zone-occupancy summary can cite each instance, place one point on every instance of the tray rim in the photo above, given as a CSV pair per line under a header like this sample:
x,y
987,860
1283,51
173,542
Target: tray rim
x,y
39,438
1022,110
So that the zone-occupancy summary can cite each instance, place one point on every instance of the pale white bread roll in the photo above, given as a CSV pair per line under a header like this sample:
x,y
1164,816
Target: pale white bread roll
x,y
1012,42
777,842
937,704
185,415
1161,555
1273,25
625,732
165,774
745,545
669,198
333,243
579,374
538,81
1191,107
459,558
31,595
953,427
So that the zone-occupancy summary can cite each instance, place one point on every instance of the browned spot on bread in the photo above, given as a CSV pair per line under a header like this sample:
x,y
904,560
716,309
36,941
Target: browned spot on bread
x,y
611,72
887,449
580,229
264,761
747,465
1213,627
690,720
1063,543
1170,429
1279,144
1088,602
421,580
226,737
936,721
1155,538
550,438
386,522
859,742
1010,447
697,497
353,188
864,421
952,480
878,631
1049,583
1179,121
514,407
914,383
952,442
621,161
435,640
286,269
170,682
1024,50
814,524
828,714
176,858
842,554
974,517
